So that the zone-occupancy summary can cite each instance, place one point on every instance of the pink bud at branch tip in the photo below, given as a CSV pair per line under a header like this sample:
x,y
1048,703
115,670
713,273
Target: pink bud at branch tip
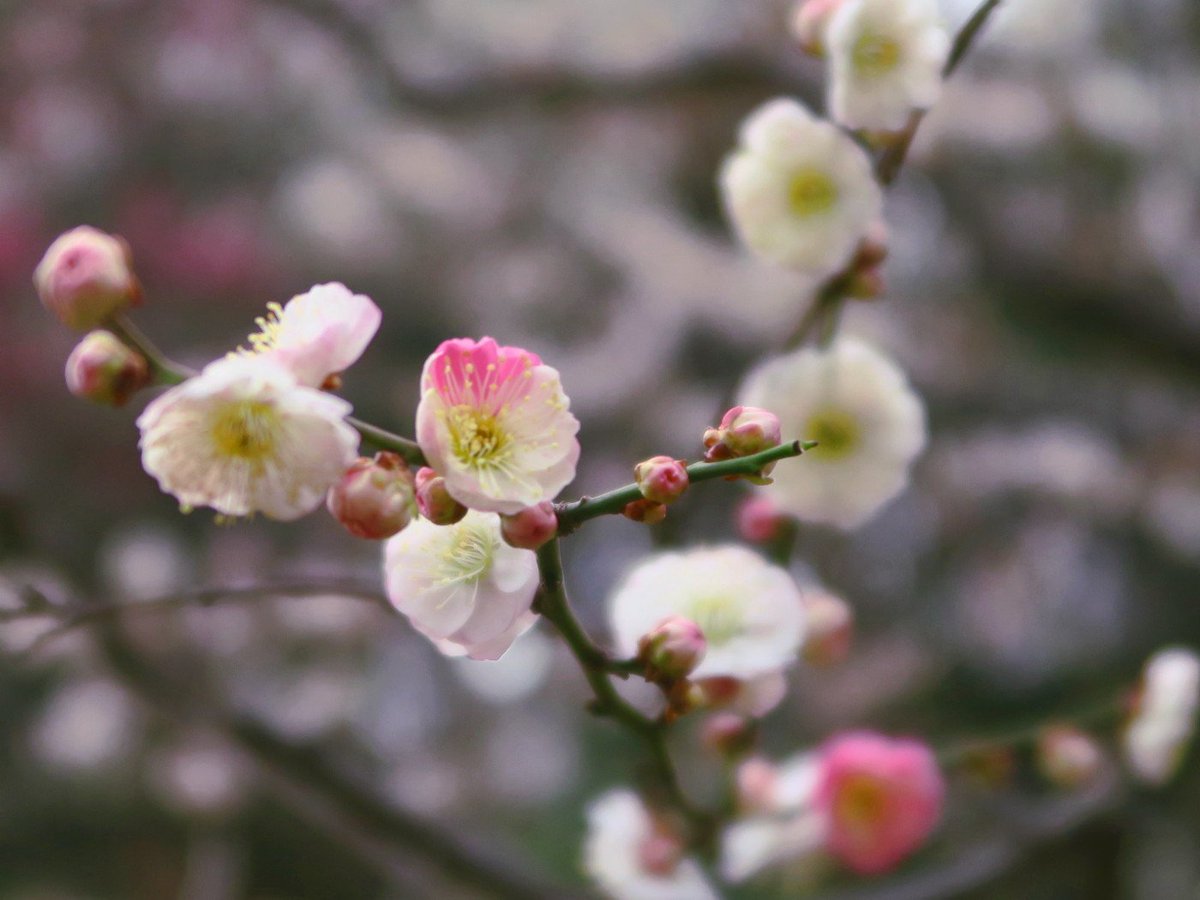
x,y
434,500
759,520
103,369
531,527
744,431
661,479
85,277
375,498
672,649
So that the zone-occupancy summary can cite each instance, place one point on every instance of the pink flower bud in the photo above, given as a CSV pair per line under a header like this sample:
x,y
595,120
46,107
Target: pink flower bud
x,y
531,527
729,735
103,369
434,501
882,798
672,649
809,21
756,782
661,479
744,431
830,628
1067,756
646,511
659,853
759,519
375,498
86,276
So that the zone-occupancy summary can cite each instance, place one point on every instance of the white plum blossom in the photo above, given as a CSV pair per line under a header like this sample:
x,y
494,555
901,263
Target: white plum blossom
x,y
869,423
799,191
1165,716
494,422
461,585
319,333
750,611
885,59
244,437
621,853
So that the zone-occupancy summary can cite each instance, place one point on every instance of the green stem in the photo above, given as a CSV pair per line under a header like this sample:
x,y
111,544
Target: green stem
x,y
164,370
406,448
571,515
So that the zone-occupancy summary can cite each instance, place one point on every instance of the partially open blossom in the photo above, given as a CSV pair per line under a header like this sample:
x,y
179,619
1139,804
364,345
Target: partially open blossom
x,y
744,431
244,437
671,649
461,584
646,511
495,423
885,60
1067,756
882,798
1164,717
633,856
799,191
434,500
374,498
319,333
829,628
869,425
809,19
759,519
749,611
103,369
661,478
86,276
531,527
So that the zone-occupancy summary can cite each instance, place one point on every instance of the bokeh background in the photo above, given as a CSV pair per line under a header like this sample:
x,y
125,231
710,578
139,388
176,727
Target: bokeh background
x,y
543,171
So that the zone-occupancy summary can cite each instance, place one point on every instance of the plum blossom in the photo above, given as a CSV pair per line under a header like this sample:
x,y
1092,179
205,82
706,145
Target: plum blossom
x,y
319,333
881,797
244,437
1165,715
461,585
799,192
885,59
633,857
869,425
495,423
749,611
86,276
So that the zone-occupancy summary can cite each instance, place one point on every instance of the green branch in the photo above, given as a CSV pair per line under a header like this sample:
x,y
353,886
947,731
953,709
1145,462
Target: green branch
x,y
408,449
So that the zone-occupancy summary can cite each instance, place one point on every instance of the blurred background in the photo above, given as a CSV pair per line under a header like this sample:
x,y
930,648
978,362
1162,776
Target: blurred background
x,y
543,171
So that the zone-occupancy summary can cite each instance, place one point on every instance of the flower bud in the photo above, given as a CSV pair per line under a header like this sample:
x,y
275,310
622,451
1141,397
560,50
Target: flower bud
x,y
103,369
1068,757
830,628
759,519
729,735
646,511
672,649
661,479
659,853
744,431
531,527
434,501
85,277
809,21
755,784
375,498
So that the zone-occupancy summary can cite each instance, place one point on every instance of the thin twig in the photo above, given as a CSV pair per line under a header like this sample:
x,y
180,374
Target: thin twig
x,y
163,369
408,449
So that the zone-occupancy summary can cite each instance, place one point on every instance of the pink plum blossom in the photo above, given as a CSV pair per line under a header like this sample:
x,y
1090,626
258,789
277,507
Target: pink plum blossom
x,y
495,423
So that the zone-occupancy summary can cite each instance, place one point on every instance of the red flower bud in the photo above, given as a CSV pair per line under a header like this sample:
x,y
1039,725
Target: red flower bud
x,y
375,498
103,369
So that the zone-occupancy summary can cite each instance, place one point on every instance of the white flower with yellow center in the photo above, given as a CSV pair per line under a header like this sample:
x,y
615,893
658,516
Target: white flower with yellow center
x,y
461,585
319,333
869,423
799,191
243,437
1165,714
750,611
495,423
885,59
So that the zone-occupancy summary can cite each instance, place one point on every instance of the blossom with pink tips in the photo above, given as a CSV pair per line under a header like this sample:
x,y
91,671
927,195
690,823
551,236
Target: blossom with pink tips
x,y
882,798
495,423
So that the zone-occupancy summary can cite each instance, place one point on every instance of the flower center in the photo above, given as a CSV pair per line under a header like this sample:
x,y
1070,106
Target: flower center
x,y
861,801
468,556
477,438
720,618
835,431
246,429
875,55
811,192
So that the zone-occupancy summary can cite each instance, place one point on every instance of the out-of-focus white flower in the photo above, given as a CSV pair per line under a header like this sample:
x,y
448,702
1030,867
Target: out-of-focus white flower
x,y
799,191
628,854
319,333
750,611
495,423
461,585
868,422
244,437
886,59
1165,716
